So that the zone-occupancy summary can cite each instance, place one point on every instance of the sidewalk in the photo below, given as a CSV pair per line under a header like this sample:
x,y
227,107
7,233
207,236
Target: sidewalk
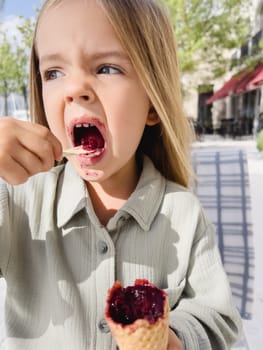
x,y
253,327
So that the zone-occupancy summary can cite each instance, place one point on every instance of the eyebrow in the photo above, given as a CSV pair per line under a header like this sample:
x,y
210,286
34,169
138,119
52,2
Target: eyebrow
x,y
95,56
106,54
51,57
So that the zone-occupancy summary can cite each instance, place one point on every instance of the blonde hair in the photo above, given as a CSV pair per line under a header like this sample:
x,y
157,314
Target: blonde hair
x,y
146,33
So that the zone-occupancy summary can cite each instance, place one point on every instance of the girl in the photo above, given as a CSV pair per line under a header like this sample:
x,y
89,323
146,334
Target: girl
x,y
104,77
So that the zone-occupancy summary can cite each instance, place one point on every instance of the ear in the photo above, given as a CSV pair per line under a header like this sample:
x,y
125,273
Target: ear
x,y
153,117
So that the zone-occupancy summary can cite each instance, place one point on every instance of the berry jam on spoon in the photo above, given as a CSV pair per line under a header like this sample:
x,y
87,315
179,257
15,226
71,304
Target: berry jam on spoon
x,y
80,150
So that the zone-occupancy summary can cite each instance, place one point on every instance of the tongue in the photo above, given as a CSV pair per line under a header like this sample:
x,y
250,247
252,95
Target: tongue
x,y
92,140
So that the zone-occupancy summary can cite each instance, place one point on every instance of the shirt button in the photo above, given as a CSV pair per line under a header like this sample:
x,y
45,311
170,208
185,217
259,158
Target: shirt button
x,y
102,247
103,326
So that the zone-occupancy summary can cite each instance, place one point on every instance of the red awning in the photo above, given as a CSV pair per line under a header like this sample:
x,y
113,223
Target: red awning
x,y
257,79
244,81
227,88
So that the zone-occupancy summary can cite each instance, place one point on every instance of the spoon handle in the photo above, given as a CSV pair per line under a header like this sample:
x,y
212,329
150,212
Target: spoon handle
x,y
77,150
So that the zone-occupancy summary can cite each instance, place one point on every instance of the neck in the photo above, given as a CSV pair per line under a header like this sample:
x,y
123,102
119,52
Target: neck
x,y
104,204
109,196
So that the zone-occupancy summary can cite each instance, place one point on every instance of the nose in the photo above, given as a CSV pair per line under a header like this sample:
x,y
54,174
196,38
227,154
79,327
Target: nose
x,y
78,89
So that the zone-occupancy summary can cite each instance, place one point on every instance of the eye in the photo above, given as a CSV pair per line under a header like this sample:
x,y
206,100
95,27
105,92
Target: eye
x,y
52,74
107,69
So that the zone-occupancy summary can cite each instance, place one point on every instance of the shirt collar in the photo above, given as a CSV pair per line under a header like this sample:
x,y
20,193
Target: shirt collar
x,y
145,201
142,205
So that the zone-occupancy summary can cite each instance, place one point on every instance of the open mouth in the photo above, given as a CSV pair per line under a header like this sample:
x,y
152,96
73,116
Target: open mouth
x,y
88,136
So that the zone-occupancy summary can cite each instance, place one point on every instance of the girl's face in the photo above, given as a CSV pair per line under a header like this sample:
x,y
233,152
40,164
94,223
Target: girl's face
x,y
91,93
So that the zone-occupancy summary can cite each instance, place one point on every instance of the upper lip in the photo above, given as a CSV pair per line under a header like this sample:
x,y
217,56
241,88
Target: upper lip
x,y
91,120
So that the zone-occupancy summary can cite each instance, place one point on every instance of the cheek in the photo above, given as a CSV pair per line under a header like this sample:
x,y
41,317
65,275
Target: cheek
x,y
57,128
130,107
54,126
54,117
135,116
128,130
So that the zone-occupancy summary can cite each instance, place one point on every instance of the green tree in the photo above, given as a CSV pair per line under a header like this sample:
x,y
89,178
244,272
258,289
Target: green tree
x,y
14,62
259,141
22,50
7,70
206,29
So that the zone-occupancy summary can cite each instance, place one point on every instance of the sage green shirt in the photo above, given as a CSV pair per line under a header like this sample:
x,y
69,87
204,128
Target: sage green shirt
x,y
59,262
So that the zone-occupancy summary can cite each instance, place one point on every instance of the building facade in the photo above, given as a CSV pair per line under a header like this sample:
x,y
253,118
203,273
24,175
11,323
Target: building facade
x,y
236,107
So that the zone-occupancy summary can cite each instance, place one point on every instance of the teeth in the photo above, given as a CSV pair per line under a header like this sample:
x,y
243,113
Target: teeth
x,y
92,154
84,125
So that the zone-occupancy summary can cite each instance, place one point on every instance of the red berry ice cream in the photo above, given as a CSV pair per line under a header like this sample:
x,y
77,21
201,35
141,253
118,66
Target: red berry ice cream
x,y
138,316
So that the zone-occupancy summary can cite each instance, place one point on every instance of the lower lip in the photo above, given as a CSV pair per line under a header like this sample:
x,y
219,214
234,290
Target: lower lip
x,y
90,159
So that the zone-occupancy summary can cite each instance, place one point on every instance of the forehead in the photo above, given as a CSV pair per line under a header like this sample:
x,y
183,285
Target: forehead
x,y
75,22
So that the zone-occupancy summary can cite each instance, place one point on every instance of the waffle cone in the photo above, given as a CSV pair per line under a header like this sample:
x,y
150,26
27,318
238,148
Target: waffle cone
x,y
141,334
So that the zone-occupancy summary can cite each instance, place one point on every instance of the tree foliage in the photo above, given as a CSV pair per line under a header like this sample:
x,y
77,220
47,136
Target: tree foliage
x,y
14,61
7,71
207,29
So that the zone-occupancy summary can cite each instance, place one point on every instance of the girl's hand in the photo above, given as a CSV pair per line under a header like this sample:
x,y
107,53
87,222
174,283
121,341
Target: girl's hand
x,y
26,149
174,342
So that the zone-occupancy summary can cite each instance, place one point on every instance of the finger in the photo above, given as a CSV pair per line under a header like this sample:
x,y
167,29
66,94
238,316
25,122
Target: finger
x,y
19,164
25,149
31,162
29,150
174,342
32,136
37,150
41,141
12,172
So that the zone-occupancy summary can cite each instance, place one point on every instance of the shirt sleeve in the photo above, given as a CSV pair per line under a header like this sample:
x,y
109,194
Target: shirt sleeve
x,y
5,235
205,317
